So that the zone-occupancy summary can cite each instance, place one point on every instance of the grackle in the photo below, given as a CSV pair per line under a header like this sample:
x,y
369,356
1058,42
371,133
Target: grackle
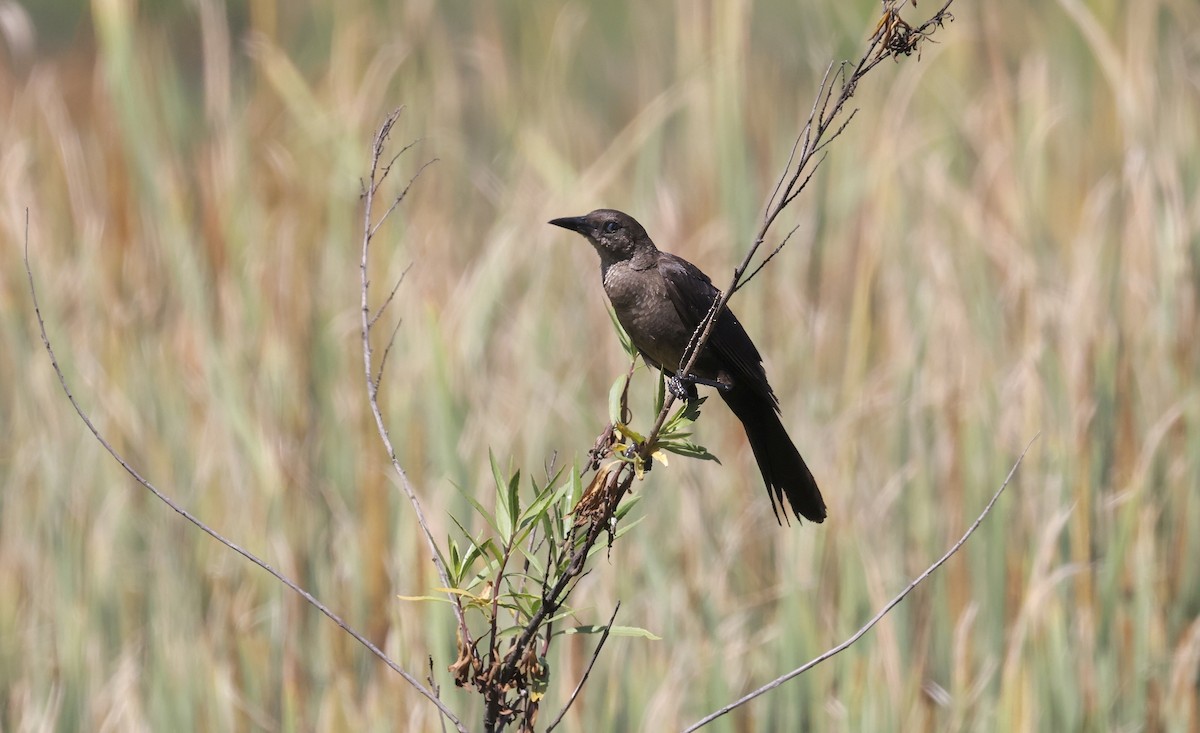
x,y
660,300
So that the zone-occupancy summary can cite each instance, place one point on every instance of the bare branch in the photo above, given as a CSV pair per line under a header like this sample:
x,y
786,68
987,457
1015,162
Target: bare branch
x,y
386,350
384,132
392,161
882,45
181,511
804,184
396,201
835,135
586,672
804,135
372,384
769,257
388,300
877,617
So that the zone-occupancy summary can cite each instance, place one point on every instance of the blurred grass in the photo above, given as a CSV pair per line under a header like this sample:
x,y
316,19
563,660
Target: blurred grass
x,y
1007,240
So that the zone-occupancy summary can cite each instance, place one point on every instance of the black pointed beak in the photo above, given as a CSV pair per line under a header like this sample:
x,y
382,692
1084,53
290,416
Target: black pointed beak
x,y
574,223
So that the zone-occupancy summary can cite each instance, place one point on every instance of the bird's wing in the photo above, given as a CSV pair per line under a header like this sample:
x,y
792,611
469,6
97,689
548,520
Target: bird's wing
x,y
692,294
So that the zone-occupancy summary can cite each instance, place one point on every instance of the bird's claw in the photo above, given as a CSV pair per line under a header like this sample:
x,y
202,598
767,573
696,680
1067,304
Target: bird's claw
x,y
683,390
722,387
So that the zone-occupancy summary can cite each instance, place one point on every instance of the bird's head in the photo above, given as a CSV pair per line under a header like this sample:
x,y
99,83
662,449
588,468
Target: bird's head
x,y
616,235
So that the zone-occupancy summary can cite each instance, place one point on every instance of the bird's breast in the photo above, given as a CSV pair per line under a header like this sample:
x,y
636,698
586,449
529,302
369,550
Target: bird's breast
x,y
644,308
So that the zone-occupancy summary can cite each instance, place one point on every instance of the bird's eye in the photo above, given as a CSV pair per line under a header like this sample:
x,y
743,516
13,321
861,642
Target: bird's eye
x,y
610,227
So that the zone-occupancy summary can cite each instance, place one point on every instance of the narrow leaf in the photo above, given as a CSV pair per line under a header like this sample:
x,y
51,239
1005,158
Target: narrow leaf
x,y
614,399
614,631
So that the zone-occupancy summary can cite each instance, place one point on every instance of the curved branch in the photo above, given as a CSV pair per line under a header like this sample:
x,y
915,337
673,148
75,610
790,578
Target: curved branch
x,y
877,617
179,509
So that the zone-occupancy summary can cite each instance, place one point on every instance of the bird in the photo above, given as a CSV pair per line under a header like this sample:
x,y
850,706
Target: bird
x,y
660,299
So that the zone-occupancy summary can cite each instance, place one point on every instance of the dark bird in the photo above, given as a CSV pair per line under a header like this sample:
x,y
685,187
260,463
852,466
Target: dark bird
x,y
660,299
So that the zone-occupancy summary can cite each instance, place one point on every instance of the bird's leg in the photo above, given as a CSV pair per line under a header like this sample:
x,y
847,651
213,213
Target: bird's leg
x,y
714,383
683,389
688,384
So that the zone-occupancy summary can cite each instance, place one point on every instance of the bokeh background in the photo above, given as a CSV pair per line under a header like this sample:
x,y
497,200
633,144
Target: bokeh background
x,y
1005,242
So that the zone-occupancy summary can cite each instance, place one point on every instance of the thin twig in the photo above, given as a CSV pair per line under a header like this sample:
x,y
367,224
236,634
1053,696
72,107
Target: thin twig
x,y
388,301
494,692
437,691
587,671
383,174
877,617
386,350
493,630
803,136
787,237
396,201
372,385
181,511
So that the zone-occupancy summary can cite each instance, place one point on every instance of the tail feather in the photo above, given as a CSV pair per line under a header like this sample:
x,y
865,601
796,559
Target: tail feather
x,y
783,470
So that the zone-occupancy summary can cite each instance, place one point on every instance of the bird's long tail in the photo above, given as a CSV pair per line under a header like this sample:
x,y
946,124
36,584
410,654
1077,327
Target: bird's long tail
x,y
783,470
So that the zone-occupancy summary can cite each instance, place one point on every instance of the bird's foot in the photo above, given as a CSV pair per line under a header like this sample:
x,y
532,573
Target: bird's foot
x,y
683,389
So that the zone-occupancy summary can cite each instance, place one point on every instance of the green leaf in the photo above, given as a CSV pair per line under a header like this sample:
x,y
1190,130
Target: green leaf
x,y
441,556
685,448
454,567
558,525
614,399
673,436
624,509
621,530
534,561
482,576
497,554
542,503
523,601
614,631
434,599
509,631
479,509
626,342
687,413
514,497
479,549
630,433
506,500
563,612
473,553
538,514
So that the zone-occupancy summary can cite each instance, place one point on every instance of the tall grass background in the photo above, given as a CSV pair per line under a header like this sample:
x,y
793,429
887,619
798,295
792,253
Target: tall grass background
x,y
1005,241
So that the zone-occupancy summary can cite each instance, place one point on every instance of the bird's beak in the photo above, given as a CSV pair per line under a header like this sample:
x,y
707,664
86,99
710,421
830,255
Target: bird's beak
x,y
574,223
